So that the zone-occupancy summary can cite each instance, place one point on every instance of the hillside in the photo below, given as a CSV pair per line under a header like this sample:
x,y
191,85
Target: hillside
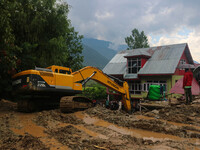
x,y
93,58
98,53
102,47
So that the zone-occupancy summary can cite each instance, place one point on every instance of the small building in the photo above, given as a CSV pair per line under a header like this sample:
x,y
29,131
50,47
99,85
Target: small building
x,y
143,67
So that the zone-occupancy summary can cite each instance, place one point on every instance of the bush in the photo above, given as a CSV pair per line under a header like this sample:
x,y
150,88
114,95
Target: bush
x,y
97,92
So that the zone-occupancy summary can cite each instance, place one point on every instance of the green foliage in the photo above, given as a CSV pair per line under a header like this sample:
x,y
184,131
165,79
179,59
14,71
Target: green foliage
x,y
97,92
137,40
93,83
36,33
8,48
94,90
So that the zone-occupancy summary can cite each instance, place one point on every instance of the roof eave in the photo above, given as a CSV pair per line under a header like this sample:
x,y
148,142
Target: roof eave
x,y
144,56
156,74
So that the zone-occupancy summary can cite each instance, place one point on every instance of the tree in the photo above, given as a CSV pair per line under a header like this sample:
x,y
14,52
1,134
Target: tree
x,y
137,40
8,48
45,35
36,33
97,93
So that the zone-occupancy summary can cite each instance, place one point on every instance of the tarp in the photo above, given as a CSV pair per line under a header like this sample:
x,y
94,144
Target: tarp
x,y
178,87
154,92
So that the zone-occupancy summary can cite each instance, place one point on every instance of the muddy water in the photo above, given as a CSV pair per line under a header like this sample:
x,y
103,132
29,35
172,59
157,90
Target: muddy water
x,y
170,122
138,133
82,128
91,133
26,125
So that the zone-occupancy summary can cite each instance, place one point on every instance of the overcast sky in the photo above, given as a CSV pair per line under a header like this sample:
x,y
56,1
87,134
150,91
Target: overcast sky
x,y
163,21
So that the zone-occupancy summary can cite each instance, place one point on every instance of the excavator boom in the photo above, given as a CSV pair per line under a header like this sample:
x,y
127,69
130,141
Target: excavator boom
x,y
97,75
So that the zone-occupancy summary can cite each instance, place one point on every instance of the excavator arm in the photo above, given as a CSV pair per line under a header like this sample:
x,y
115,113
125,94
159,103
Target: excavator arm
x,y
93,73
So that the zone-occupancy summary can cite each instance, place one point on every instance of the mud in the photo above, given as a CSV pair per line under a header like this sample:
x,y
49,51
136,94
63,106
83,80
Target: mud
x,y
10,140
98,128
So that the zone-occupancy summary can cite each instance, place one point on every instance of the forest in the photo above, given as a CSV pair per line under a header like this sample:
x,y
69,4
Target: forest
x,y
36,33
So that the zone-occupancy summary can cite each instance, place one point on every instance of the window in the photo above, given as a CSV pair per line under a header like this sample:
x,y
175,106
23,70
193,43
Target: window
x,y
64,71
134,65
148,83
135,87
182,61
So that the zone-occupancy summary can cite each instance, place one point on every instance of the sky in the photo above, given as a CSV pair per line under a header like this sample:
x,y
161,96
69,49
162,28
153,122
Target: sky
x,y
164,22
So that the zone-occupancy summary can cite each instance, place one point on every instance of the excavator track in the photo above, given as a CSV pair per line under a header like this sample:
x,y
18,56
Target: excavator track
x,y
74,103
37,104
25,105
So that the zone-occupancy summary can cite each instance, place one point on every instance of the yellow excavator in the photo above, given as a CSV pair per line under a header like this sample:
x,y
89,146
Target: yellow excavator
x,y
56,85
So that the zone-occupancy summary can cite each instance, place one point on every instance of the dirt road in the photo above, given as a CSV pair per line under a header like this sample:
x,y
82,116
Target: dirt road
x,y
176,127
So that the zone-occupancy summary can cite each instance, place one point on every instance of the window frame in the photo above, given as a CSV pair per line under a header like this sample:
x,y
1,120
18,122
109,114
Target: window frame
x,y
152,82
133,65
135,87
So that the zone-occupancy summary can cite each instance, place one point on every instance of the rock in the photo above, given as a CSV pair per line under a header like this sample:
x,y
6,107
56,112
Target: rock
x,y
155,111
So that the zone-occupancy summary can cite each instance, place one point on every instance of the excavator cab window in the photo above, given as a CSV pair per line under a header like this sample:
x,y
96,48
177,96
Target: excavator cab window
x,y
64,71
56,70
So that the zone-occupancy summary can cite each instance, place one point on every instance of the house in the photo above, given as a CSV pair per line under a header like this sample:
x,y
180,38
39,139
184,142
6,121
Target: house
x,y
142,67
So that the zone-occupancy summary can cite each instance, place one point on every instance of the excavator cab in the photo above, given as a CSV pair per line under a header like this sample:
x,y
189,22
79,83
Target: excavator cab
x,y
59,69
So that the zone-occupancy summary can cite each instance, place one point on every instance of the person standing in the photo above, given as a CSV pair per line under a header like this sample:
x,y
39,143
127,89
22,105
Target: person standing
x,y
107,103
120,105
94,101
187,85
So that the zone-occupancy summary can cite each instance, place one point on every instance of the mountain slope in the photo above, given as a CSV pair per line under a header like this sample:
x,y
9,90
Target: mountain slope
x,y
93,58
100,46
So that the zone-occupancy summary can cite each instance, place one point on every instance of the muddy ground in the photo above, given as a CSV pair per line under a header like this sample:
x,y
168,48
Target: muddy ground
x,y
175,127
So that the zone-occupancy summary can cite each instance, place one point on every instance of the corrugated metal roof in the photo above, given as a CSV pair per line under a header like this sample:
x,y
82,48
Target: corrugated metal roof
x,y
164,60
138,52
115,68
118,58
159,67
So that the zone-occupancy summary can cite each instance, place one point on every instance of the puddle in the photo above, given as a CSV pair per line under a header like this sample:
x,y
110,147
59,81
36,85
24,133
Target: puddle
x,y
91,120
156,147
28,126
138,133
164,147
170,122
82,128
79,114
91,133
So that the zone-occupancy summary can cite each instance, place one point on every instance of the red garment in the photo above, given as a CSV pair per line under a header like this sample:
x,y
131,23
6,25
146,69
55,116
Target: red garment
x,y
187,80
